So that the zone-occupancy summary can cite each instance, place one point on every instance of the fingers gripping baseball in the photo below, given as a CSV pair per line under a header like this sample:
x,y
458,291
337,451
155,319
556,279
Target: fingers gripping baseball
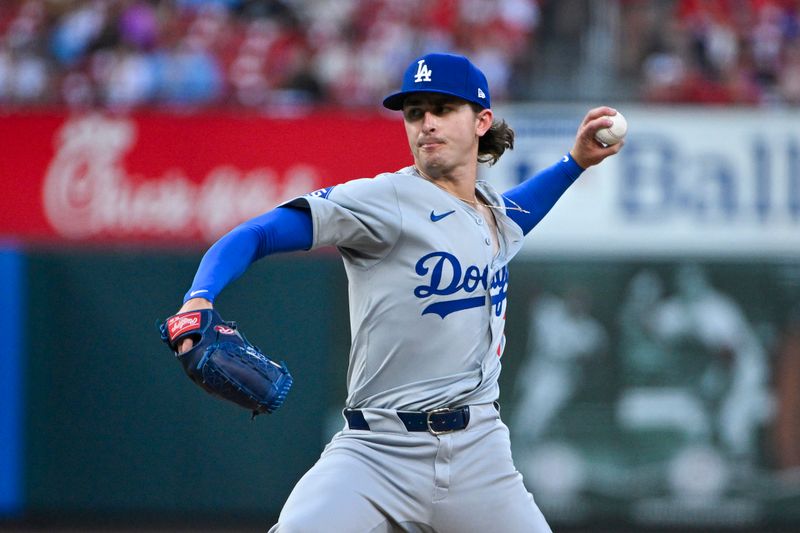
x,y
588,151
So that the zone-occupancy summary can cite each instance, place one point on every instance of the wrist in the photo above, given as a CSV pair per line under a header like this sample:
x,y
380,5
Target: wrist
x,y
571,166
195,304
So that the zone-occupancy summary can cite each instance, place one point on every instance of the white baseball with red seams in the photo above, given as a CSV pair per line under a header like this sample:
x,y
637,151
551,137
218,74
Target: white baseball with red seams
x,y
615,133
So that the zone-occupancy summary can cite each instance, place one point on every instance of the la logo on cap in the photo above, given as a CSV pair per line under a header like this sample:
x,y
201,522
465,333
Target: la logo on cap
x,y
423,72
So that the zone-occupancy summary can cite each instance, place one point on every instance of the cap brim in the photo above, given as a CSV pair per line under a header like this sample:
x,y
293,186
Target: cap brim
x,y
395,101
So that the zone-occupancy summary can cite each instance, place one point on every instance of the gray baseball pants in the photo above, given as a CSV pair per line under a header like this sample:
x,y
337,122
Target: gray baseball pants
x,y
388,479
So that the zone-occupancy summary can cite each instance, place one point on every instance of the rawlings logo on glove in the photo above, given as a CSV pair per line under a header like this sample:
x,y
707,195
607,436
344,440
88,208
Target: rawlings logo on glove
x,y
223,363
178,324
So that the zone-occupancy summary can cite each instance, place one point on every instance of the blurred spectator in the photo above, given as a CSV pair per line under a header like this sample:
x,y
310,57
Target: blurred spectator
x,y
264,53
252,53
724,52
789,74
76,30
138,25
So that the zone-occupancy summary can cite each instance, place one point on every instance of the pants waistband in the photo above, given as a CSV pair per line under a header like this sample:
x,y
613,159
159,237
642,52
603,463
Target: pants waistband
x,y
436,422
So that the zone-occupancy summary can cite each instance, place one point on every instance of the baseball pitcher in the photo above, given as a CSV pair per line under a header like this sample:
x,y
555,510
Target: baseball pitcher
x,y
426,249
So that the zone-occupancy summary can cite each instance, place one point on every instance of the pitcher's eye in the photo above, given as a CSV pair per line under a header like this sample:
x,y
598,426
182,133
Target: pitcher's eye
x,y
412,113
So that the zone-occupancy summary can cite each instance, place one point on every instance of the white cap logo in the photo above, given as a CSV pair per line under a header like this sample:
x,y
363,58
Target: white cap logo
x,y
423,72
481,94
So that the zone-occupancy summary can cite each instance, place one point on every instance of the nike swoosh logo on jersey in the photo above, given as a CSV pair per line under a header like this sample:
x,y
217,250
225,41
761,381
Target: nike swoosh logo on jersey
x,y
197,292
437,218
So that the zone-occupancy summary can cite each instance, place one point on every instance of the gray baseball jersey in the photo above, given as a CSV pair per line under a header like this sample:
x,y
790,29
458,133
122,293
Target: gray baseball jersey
x,y
427,294
427,306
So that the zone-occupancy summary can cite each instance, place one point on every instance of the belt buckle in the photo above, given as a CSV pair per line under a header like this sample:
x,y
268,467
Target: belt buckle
x,y
428,421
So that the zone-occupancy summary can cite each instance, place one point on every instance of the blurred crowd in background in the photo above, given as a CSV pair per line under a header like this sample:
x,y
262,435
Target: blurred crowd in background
x,y
262,53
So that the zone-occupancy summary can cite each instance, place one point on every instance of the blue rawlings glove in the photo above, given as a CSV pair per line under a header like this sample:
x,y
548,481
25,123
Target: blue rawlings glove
x,y
224,363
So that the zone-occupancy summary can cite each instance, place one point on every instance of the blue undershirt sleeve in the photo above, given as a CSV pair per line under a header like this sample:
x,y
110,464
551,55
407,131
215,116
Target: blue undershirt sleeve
x,y
284,229
539,193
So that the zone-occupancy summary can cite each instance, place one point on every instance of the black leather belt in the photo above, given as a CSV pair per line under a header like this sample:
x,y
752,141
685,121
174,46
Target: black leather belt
x,y
437,422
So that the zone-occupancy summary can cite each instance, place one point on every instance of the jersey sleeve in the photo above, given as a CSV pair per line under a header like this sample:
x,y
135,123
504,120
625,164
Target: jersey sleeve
x,y
284,229
361,217
531,200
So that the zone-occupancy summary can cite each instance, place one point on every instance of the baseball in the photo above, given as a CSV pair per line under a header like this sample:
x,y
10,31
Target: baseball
x,y
615,133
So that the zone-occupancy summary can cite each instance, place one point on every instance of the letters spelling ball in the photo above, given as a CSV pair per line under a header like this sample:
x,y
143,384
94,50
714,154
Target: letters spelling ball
x,y
615,133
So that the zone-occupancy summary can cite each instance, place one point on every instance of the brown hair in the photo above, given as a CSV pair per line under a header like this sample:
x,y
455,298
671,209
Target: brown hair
x,y
498,139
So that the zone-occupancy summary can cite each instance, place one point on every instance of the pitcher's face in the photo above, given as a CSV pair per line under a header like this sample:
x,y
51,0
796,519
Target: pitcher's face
x,y
443,132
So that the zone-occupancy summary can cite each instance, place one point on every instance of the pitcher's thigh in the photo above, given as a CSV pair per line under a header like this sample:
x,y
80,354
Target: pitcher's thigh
x,y
488,493
505,506
340,493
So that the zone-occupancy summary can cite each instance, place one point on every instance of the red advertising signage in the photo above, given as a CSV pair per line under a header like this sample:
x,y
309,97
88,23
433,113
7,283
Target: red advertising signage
x,y
176,178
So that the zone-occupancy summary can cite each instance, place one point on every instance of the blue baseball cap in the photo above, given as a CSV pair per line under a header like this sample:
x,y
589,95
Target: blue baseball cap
x,y
442,73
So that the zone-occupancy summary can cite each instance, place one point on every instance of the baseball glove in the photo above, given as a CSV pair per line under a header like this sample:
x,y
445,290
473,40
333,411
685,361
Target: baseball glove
x,y
223,363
